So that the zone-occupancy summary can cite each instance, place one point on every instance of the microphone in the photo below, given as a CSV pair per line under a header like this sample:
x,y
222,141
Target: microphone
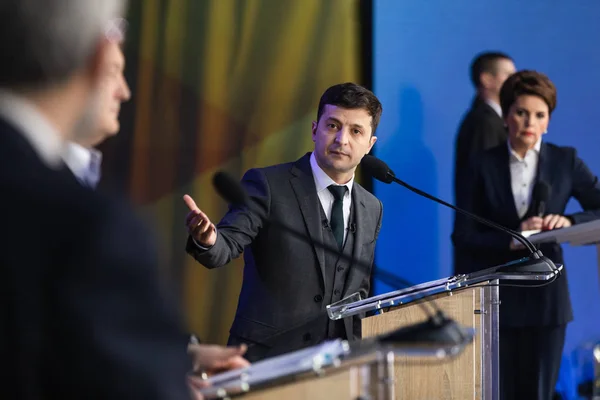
x,y
232,191
352,227
537,263
541,194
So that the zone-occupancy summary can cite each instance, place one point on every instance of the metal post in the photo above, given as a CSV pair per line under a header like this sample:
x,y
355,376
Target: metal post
x,y
490,342
596,383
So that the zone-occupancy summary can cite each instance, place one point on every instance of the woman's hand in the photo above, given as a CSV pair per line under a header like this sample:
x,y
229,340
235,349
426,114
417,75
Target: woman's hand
x,y
555,221
549,222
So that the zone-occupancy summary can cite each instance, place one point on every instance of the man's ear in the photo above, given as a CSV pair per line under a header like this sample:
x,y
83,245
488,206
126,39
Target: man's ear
x,y
314,130
486,79
372,141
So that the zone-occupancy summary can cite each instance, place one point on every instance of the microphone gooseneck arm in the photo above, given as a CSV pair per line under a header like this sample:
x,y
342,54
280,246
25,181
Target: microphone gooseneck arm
x,y
380,171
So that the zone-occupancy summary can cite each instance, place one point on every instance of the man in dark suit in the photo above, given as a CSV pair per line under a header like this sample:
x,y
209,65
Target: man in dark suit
x,y
287,281
482,127
84,314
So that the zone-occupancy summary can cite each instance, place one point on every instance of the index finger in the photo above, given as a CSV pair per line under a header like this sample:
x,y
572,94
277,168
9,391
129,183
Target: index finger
x,y
187,199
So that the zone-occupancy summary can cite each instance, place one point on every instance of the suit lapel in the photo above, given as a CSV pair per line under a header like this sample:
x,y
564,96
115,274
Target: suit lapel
x,y
303,185
544,173
68,173
363,225
505,193
360,219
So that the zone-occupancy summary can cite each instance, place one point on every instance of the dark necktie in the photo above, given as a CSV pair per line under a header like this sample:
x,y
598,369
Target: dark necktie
x,y
337,213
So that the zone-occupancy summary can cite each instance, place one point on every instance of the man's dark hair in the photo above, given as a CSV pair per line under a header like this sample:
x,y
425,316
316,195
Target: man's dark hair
x,y
352,96
486,62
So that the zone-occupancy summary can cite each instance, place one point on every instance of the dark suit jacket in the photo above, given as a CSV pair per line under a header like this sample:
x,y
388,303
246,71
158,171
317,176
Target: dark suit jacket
x,y
83,314
284,277
481,129
488,193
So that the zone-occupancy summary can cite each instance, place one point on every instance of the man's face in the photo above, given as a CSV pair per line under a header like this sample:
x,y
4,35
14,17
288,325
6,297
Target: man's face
x,y
342,137
113,91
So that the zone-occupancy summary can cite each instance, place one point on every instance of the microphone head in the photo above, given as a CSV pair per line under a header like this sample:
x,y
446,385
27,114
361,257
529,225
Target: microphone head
x,y
377,169
541,191
540,196
230,189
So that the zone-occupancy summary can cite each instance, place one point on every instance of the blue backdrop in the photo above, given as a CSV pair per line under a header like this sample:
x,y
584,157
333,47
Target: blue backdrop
x,y
422,52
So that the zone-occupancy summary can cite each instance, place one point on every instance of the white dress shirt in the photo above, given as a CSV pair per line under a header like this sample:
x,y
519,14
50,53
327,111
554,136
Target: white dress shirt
x,y
495,106
322,182
522,176
84,163
33,125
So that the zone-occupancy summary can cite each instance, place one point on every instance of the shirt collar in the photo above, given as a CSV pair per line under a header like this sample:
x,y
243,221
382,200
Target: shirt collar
x,y
495,106
514,156
81,159
322,180
33,125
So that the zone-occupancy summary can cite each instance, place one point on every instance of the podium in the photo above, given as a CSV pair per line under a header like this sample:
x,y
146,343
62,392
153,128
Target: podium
x,y
471,300
332,370
576,235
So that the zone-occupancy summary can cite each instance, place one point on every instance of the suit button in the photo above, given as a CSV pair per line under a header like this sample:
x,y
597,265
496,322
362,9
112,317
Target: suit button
x,y
307,337
336,292
340,268
318,298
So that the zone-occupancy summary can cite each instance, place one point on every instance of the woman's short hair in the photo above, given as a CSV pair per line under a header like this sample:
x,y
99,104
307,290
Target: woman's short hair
x,y
527,82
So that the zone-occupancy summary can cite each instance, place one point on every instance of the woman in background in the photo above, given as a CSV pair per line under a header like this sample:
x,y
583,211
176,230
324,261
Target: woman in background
x,y
501,188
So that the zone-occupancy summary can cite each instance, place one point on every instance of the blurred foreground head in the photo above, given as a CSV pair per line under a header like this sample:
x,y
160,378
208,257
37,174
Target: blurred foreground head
x,y
113,92
53,55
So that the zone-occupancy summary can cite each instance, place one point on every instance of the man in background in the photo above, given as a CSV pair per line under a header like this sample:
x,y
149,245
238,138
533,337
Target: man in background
x,y
84,314
482,127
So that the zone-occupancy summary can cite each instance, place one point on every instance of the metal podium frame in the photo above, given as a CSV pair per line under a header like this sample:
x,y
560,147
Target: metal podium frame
x,y
489,309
